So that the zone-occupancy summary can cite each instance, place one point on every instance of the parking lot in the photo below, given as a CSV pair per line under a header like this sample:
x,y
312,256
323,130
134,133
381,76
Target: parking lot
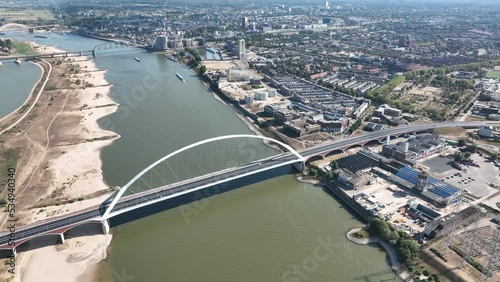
x,y
475,180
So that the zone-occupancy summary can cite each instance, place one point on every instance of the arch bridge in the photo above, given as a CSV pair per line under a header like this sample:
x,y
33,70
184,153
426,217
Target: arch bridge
x,y
118,203
20,27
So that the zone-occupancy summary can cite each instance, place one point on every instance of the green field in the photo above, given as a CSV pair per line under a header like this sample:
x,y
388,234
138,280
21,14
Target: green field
x,y
493,74
20,14
23,49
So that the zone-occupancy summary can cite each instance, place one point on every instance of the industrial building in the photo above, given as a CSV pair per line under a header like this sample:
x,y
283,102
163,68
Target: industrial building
x,y
430,187
354,168
281,116
445,224
238,75
485,132
300,127
333,125
385,110
415,148
373,127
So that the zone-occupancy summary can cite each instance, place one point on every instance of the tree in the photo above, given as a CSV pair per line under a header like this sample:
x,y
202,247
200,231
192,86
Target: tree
x,y
467,155
203,69
334,165
329,175
405,256
458,157
313,171
407,250
471,148
3,202
380,228
394,237
493,156
462,142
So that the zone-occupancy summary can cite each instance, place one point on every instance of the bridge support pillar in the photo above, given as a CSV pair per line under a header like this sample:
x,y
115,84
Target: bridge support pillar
x,y
105,226
388,140
80,54
62,238
299,166
93,53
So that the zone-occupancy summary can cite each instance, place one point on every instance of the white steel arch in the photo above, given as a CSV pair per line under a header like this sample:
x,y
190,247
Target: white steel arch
x,y
13,26
124,188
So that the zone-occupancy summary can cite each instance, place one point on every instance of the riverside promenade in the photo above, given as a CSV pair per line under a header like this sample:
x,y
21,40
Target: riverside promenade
x,y
396,265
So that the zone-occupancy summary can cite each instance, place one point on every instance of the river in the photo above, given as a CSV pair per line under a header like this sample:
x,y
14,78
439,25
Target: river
x,y
265,231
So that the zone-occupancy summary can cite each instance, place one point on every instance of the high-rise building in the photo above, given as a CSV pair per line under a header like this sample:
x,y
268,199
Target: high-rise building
x,y
161,43
327,4
244,22
242,52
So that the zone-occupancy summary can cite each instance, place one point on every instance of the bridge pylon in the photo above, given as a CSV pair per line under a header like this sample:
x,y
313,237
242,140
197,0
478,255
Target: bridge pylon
x,y
93,53
105,226
62,238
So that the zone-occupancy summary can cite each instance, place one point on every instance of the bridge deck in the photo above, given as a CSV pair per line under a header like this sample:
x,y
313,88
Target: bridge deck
x,y
94,213
155,195
46,55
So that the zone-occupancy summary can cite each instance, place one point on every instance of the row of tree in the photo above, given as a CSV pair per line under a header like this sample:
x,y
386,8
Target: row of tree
x,y
7,43
406,248
380,96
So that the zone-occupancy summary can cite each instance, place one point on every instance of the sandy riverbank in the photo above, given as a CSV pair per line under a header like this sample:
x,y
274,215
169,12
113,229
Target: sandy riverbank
x,y
75,167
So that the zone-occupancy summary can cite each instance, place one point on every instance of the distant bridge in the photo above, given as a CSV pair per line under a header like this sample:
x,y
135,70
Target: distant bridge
x,y
110,44
118,204
19,27
50,55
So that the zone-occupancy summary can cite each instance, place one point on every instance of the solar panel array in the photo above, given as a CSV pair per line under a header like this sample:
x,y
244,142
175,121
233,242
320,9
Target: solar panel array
x,y
439,188
357,162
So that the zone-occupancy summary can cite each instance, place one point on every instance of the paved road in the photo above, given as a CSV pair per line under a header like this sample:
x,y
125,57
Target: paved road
x,y
384,133
148,196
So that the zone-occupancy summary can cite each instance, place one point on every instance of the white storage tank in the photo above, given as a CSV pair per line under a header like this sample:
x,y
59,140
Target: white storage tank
x,y
261,95
248,99
271,92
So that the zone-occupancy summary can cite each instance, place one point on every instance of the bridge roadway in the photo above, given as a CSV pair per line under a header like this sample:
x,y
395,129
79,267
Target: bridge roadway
x,y
94,213
50,55
364,138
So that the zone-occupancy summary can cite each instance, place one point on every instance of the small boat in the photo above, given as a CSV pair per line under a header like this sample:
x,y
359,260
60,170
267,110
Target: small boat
x,y
41,36
17,61
137,59
180,77
172,59
1,63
